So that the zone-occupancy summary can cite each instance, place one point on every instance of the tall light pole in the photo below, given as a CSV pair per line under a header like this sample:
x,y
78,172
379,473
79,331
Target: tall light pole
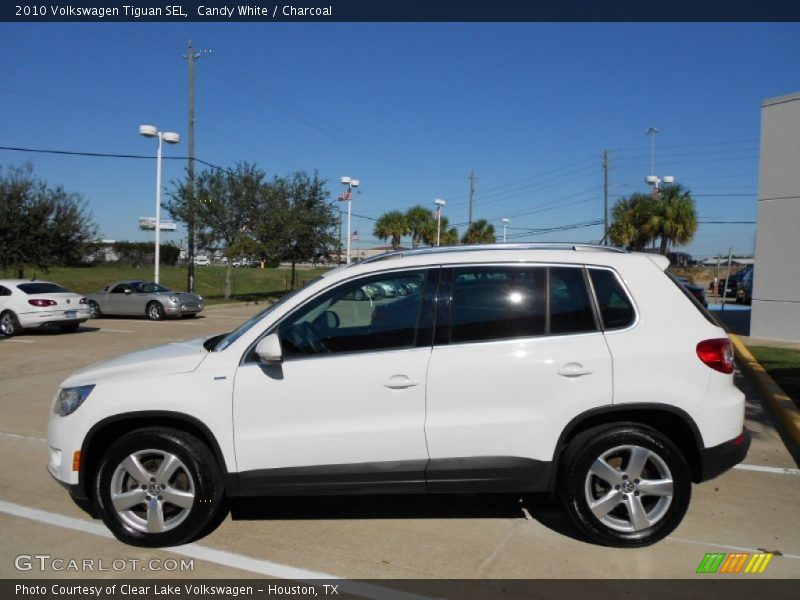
x,y
347,196
171,138
438,214
506,221
652,131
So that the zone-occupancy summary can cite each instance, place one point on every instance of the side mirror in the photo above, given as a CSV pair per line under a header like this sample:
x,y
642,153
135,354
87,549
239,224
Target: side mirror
x,y
269,350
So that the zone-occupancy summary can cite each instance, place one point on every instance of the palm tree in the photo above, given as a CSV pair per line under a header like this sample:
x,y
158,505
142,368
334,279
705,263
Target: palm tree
x,y
418,219
479,232
392,224
675,218
448,236
634,222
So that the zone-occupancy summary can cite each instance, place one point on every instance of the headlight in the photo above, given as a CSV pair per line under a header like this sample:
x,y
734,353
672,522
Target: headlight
x,y
173,299
69,399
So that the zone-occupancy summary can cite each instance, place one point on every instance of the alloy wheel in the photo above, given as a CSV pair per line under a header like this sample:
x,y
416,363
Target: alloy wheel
x,y
629,488
152,491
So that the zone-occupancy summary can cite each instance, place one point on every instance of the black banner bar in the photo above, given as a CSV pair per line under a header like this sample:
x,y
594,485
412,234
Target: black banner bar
x,y
176,11
705,588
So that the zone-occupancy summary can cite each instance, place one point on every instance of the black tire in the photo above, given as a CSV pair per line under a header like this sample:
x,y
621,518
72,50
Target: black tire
x,y
69,327
155,311
9,324
197,474
618,442
95,308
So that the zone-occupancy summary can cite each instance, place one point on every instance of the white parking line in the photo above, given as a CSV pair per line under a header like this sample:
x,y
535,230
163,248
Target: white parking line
x,y
220,557
762,469
118,330
21,437
224,316
18,341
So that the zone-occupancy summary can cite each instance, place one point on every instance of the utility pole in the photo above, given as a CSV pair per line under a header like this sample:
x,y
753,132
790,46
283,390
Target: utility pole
x,y
191,56
339,261
605,197
471,194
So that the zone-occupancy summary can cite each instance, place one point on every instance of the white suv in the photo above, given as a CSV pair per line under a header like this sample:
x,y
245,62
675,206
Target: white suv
x,y
572,369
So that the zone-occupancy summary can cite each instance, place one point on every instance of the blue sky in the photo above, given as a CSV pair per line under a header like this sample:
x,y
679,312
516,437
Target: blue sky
x,y
409,109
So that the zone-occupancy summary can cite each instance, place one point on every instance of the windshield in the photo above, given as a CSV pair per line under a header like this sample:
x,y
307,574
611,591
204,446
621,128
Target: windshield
x,y
245,327
148,287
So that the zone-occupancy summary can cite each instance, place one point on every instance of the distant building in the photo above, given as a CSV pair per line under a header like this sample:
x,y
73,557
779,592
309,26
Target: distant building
x,y
776,285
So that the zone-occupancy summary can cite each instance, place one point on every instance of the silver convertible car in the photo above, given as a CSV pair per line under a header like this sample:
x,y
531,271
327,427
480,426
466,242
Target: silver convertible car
x,y
143,298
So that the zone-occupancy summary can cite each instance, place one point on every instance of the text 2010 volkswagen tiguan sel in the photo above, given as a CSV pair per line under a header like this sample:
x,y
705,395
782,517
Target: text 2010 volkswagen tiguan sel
x,y
577,370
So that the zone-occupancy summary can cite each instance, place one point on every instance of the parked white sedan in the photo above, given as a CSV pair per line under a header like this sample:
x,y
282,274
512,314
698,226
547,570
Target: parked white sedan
x,y
25,304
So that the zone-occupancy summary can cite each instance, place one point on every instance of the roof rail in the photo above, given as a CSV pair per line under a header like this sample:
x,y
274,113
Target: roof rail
x,y
494,247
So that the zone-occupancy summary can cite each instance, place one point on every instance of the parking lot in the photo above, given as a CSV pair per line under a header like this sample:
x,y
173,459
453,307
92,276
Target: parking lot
x,y
752,508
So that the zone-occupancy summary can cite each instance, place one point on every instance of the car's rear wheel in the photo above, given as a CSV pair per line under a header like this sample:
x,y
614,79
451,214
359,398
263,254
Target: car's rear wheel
x,y
625,485
9,324
95,308
155,312
158,487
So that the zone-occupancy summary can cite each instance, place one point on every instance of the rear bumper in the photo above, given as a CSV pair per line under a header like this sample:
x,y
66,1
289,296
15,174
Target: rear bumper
x,y
35,319
716,460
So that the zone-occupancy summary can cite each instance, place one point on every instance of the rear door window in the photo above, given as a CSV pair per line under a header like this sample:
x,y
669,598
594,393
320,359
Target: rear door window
x,y
496,303
570,306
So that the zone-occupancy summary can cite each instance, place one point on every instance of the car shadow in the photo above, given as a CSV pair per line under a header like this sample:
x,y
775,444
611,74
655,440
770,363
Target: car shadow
x,y
543,508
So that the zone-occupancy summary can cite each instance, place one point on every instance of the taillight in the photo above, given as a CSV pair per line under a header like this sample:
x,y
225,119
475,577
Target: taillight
x,y
41,303
717,354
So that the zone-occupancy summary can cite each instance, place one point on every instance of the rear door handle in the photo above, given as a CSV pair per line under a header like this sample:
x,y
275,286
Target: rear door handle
x,y
399,382
573,370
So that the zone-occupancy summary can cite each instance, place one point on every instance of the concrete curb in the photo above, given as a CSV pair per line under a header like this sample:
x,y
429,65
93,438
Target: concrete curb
x,y
779,401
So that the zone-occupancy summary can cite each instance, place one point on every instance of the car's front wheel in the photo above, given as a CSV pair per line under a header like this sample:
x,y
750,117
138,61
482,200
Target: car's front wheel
x,y
158,487
95,308
625,484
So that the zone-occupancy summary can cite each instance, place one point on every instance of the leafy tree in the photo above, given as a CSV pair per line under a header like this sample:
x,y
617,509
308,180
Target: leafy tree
x,y
418,219
675,217
394,225
294,221
224,210
479,232
40,225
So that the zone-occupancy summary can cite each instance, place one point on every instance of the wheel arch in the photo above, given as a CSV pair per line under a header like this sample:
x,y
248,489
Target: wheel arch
x,y
105,432
671,421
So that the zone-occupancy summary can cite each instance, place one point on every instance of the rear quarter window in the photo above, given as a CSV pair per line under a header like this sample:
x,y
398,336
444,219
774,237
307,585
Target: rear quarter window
x,y
616,308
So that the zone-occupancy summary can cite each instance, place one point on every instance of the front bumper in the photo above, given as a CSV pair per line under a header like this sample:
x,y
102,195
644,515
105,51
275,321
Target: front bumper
x,y
716,460
183,309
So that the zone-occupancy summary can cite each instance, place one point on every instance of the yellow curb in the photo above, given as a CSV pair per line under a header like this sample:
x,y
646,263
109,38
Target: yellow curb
x,y
781,403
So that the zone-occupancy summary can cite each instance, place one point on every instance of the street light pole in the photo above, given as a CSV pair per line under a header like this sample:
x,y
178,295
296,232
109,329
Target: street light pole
x,y
506,221
439,204
171,138
347,196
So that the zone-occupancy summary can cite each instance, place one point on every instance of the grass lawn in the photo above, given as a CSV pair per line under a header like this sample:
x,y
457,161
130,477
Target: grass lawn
x,y
783,365
248,284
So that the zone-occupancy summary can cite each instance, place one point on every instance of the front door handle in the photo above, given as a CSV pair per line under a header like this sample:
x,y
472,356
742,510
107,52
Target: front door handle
x,y
399,382
573,370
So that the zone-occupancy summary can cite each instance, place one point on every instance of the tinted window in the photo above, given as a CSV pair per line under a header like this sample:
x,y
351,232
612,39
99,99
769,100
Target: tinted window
x,y
148,287
493,303
41,288
377,313
121,288
615,307
4,291
570,307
